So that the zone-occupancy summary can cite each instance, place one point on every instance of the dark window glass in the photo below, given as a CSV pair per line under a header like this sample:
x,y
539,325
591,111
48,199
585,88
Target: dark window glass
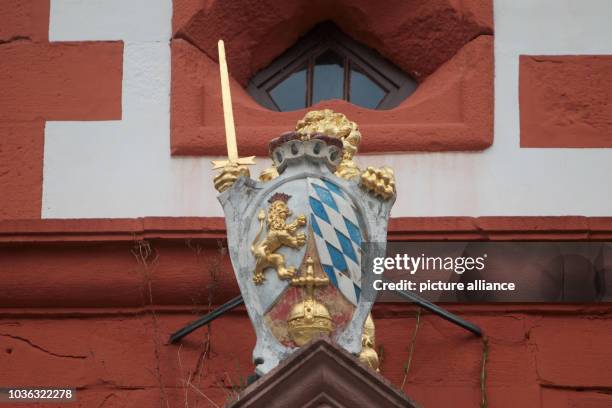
x,y
326,64
363,90
328,77
290,94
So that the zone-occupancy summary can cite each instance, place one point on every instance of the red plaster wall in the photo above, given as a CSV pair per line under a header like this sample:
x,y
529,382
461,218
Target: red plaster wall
x,y
21,159
76,309
45,81
447,46
64,263
565,101
122,357
73,275
24,19
563,398
60,81
396,29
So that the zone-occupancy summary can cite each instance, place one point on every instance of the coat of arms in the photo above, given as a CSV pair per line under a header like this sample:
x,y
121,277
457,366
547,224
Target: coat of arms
x,y
297,238
302,236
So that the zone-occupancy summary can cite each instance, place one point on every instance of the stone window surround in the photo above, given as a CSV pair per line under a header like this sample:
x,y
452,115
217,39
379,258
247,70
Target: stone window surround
x,y
326,36
447,48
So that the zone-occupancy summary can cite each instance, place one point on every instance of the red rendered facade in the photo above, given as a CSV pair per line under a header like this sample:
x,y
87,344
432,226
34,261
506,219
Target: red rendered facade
x,y
564,101
91,303
45,81
88,318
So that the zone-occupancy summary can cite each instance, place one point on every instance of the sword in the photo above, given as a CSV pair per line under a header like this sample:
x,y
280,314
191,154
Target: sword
x,y
228,118
416,299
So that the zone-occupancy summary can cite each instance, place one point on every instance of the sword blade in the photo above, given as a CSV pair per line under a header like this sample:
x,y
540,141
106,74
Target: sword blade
x,y
228,113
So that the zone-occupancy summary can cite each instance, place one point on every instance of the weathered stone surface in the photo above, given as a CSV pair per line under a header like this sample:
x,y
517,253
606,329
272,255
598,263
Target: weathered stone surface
x,y
242,203
447,45
574,353
116,355
417,36
21,161
182,272
565,101
60,81
24,19
560,398
451,110
322,374
544,349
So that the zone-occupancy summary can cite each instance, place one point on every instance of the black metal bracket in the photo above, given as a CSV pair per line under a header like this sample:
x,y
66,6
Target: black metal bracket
x,y
416,299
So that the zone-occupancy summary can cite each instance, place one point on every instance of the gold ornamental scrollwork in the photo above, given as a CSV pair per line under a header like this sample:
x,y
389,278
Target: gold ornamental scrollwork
x,y
279,233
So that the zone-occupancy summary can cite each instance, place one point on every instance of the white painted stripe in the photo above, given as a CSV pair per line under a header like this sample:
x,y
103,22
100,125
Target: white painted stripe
x,y
124,168
127,20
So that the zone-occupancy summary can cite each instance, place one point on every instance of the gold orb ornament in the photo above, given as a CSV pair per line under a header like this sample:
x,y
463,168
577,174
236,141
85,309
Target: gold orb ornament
x,y
309,319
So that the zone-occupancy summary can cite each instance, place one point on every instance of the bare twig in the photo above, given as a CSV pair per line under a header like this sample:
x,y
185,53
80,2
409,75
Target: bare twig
x,y
232,387
147,257
408,363
483,373
204,395
213,266
185,383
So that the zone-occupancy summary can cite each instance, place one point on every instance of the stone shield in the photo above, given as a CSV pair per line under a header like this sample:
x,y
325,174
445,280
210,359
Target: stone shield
x,y
340,218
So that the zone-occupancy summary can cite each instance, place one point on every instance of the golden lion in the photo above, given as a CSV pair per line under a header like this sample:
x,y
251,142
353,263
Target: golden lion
x,y
279,233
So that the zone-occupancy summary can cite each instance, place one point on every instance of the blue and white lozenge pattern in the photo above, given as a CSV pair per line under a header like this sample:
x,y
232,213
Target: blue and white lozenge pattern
x,y
333,219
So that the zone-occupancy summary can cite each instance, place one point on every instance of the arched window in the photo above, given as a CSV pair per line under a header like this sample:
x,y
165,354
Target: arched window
x,y
326,64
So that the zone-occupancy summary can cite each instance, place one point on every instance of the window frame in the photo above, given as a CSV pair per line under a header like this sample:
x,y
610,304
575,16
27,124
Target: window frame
x,y
325,37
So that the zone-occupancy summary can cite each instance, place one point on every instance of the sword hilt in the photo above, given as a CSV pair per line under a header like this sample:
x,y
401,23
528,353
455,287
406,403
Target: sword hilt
x,y
241,161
